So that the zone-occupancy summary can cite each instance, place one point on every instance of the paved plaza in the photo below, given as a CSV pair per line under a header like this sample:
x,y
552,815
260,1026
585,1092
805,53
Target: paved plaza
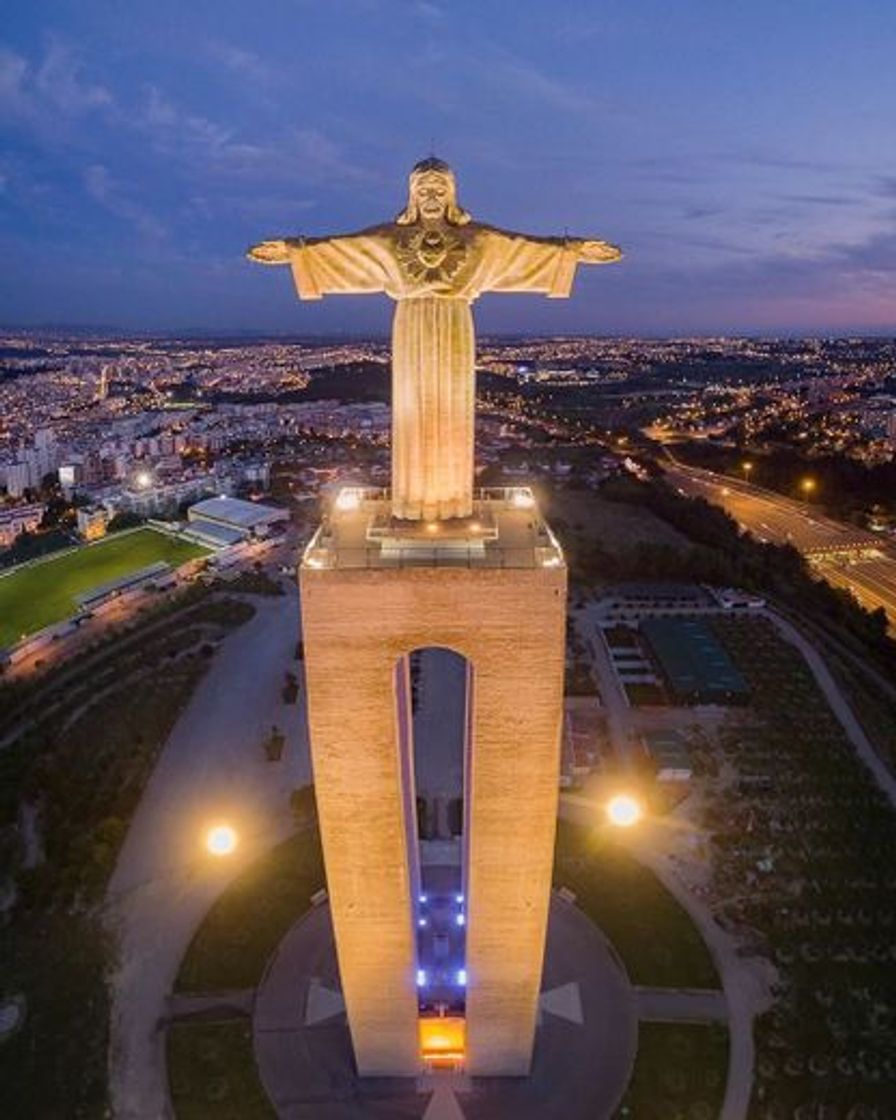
x,y
584,1050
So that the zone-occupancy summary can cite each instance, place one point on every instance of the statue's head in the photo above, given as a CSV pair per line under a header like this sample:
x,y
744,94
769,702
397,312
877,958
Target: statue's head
x,y
432,195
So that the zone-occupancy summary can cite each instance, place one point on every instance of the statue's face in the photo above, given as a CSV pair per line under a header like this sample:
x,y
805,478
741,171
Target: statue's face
x,y
431,193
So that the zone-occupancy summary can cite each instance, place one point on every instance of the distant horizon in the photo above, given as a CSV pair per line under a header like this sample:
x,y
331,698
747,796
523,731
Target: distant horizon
x,y
107,331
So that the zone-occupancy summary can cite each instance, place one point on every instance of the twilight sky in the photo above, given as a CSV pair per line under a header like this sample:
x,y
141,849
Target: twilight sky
x,y
742,153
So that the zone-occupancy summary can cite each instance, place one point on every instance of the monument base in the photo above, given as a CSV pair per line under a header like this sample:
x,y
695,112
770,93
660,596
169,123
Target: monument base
x,y
370,597
585,1041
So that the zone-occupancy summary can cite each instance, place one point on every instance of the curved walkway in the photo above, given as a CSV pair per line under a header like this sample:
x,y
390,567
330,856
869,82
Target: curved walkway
x,y
211,768
744,986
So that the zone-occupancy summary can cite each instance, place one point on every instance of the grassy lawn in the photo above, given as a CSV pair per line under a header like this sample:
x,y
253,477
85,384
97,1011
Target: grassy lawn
x,y
240,932
825,910
657,941
680,1073
33,597
211,1072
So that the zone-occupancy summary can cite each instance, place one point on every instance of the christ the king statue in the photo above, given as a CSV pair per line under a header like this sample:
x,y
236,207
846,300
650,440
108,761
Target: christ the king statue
x,y
433,260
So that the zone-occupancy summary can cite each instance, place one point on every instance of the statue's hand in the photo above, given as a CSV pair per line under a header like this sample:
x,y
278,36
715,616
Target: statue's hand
x,y
269,252
598,252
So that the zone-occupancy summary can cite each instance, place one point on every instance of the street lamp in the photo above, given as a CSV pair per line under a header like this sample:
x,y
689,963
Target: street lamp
x,y
807,486
746,468
623,810
221,840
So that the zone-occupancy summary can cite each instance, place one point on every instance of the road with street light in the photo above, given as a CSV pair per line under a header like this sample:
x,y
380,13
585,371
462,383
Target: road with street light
x,y
842,554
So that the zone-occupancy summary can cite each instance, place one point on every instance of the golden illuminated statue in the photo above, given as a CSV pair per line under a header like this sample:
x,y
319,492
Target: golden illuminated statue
x,y
433,260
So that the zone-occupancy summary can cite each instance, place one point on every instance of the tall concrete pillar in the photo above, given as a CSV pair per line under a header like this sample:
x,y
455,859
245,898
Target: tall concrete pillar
x,y
506,615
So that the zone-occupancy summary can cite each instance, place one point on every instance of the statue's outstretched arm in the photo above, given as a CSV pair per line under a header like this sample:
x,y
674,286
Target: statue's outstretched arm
x,y
351,263
270,252
595,252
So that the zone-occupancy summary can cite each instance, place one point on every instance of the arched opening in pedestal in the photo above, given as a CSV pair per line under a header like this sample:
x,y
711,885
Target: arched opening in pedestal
x,y
436,693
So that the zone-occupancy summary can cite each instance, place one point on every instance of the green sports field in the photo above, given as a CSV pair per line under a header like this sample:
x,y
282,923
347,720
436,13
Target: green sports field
x,y
33,597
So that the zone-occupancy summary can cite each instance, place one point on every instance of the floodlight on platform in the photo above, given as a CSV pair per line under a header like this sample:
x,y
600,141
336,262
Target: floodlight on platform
x,y
347,500
221,840
623,810
523,498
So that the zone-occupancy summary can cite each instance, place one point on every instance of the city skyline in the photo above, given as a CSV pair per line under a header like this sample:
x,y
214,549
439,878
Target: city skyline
x,y
736,157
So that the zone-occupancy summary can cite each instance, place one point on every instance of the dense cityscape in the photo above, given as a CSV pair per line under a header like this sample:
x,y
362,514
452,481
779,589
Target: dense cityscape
x,y
141,426
727,517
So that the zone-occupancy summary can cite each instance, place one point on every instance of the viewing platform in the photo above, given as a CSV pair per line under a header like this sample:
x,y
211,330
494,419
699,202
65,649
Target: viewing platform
x,y
505,530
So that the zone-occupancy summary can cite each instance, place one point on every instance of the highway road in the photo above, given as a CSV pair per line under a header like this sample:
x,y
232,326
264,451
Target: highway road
x,y
841,554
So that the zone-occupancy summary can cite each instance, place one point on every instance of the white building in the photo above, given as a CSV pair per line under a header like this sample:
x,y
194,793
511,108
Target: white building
x,y
248,519
20,519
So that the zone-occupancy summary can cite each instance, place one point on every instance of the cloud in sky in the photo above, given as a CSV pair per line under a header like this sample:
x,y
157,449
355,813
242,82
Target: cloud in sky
x,y
747,178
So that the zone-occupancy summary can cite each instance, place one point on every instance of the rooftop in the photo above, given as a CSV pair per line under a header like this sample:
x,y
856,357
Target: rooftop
x,y
235,511
505,530
213,532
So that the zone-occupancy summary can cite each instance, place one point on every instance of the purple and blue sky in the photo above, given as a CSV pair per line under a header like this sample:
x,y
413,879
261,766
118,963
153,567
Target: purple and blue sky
x,y
743,154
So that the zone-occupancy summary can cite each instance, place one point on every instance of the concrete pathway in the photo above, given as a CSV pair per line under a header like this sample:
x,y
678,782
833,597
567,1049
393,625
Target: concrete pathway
x,y
745,981
681,1005
584,1049
211,769
226,1005
612,697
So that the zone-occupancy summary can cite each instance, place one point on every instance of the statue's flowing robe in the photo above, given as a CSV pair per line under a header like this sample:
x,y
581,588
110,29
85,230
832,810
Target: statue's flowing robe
x,y
433,273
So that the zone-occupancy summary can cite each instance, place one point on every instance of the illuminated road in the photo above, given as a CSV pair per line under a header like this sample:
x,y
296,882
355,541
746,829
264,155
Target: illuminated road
x,y
857,561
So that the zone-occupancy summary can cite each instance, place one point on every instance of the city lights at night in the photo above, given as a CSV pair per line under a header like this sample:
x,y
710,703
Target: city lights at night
x,y
448,560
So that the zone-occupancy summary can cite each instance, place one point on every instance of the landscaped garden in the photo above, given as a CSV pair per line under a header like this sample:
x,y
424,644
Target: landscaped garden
x,y
680,1073
249,920
211,1072
803,843
655,938
45,591
68,787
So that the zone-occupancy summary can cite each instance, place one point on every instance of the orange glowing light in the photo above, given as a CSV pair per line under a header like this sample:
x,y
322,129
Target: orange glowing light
x,y
443,1039
221,840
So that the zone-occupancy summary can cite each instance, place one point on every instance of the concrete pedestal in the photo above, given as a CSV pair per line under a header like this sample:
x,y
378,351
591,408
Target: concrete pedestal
x,y
505,613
